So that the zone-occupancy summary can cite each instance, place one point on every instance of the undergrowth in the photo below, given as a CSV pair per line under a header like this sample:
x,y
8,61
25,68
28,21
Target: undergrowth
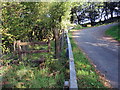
x,y
30,73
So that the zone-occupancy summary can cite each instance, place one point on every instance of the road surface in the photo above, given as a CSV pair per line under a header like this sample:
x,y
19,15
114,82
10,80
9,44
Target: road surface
x,y
101,50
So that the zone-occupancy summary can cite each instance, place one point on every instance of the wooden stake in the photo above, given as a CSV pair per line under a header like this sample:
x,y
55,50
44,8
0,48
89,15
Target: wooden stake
x,y
48,45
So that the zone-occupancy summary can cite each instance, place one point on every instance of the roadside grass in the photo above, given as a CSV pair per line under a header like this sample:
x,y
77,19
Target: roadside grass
x,y
26,74
114,32
86,75
77,27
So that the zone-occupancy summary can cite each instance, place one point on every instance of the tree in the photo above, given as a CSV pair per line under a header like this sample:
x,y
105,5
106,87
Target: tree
x,y
58,15
28,21
92,11
20,21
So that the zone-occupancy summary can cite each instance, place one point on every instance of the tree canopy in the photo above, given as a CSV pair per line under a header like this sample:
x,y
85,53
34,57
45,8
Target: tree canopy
x,y
33,21
95,11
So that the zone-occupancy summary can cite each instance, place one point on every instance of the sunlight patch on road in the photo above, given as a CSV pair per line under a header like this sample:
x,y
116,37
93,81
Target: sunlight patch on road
x,y
75,36
97,44
109,38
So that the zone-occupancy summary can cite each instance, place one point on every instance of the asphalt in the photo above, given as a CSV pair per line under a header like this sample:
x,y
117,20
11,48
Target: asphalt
x,y
101,50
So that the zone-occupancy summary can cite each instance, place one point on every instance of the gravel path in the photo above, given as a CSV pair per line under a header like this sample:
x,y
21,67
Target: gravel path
x,y
102,50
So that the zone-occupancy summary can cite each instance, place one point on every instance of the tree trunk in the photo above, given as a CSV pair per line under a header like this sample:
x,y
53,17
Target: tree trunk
x,y
111,12
92,21
78,18
57,46
62,40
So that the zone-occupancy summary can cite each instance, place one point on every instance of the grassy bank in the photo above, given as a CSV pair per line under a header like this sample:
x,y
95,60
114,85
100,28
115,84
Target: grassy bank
x,y
31,74
86,74
114,32
78,27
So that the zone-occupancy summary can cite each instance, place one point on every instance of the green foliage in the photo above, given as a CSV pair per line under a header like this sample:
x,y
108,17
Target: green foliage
x,y
78,27
114,32
92,11
17,21
26,74
59,12
31,21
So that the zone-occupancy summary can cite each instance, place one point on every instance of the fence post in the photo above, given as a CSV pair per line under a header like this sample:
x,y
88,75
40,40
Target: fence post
x,y
62,40
24,48
14,45
19,49
48,45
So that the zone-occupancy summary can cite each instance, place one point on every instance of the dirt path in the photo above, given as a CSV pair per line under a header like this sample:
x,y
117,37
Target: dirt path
x,y
102,50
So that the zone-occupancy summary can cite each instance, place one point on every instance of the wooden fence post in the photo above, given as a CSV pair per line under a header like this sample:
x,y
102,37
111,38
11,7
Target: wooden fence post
x,y
57,44
19,49
14,45
24,48
48,45
62,40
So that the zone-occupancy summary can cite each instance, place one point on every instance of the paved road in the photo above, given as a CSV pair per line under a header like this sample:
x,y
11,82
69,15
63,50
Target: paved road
x,y
102,50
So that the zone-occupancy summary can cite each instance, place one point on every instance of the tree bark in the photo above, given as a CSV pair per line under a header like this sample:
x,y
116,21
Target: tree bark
x,y
62,40
57,46
77,18
111,12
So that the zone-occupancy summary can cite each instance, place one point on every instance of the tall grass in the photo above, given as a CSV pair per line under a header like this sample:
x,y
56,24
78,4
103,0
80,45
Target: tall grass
x,y
26,74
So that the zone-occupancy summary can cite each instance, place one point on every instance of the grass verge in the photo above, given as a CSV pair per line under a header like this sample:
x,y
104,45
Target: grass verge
x,y
78,27
114,32
85,71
